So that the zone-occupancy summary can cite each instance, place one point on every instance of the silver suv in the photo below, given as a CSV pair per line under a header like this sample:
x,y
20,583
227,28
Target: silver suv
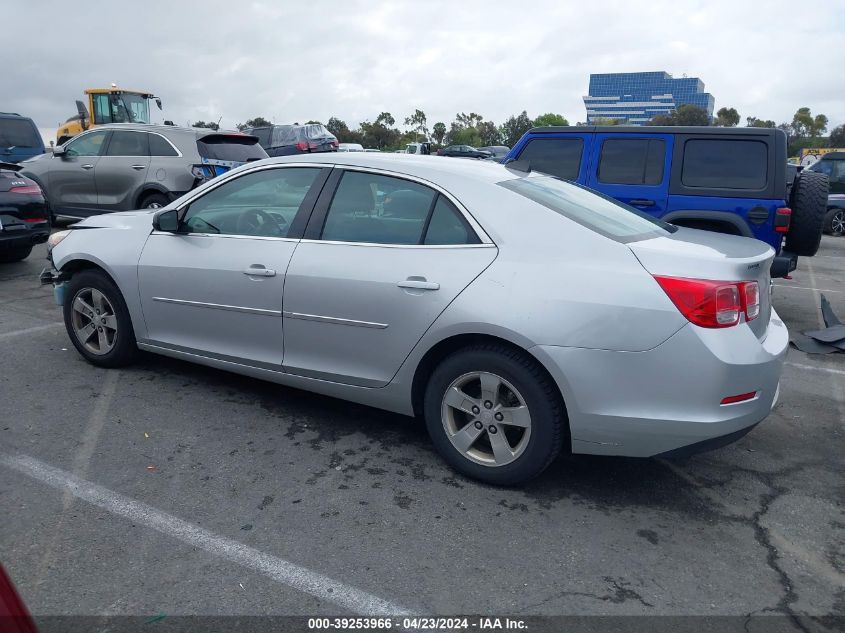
x,y
120,167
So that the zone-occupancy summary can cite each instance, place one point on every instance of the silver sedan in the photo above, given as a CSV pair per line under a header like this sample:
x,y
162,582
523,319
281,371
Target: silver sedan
x,y
518,314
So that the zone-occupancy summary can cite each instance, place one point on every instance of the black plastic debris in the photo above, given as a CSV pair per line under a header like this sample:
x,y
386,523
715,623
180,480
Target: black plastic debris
x,y
830,339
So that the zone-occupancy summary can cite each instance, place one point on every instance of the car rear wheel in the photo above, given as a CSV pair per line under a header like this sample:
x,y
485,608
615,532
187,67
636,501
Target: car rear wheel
x,y
808,201
494,414
834,221
97,320
154,201
15,254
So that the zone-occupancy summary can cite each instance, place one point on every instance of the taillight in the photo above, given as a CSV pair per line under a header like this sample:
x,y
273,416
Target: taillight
x,y
712,304
751,299
740,397
34,220
302,146
27,190
783,219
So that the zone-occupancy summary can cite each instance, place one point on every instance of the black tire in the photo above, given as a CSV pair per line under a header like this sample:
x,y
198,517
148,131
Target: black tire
x,y
549,424
808,201
154,201
831,227
15,254
124,349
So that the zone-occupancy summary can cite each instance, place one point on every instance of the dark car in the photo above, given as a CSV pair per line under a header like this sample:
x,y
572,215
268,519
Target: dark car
x,y
288,140
19,138
727,180
463,151
497,152
833,165
24,217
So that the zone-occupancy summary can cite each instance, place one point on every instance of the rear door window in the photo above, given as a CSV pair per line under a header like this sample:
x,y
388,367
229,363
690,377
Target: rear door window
x,y
632,161
559,157
234,147
128,144
725,164
18,133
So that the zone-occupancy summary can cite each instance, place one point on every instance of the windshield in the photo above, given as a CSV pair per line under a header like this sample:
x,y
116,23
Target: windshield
x,y
591,209
18,133
129,108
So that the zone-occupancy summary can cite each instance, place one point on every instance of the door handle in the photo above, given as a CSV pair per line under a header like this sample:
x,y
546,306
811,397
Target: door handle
x,y
639,202
139,167
419,283
258,270
87,166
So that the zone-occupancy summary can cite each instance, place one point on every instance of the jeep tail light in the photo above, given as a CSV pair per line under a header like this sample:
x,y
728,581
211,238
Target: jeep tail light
x,y
302,146
712,304
783,219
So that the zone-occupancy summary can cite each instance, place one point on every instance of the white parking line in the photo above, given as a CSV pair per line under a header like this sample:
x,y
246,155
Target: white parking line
x,y
806,288
30,330
829,370
277,569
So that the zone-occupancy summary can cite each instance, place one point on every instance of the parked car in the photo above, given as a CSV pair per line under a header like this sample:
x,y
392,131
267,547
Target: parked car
x,y
518,314
350,147
497,152
833,165
289,140
728,180
19,138
462,151
24,218
119,167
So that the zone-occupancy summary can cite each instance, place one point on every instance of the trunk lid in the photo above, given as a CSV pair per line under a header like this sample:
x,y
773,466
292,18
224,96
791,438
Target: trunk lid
x,y
699,254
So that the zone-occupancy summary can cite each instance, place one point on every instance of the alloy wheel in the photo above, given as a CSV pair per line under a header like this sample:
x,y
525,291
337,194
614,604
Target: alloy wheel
x,y
486,418
94,321
837,223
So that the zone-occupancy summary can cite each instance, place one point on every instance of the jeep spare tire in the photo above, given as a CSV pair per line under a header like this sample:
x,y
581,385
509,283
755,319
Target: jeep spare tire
x,y
808,201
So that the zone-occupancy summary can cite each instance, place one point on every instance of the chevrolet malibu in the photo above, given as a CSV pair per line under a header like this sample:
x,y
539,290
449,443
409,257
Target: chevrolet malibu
x,y
517,314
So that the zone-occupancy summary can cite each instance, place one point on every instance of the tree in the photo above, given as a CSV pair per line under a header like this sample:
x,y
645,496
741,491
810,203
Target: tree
x,y
258,121
211,125
489,134
337,127
605,121
550,119
313,123
751,121
418,121
438,132
386,119
687,114
837,136
459,135
727,117
380,134
514,127
805,124
468,120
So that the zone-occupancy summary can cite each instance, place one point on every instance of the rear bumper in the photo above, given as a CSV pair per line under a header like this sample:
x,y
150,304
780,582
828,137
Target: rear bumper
x,y
642,404
21,238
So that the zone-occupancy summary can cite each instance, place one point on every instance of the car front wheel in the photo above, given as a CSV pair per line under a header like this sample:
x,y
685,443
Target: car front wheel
x,y
494,414
97,320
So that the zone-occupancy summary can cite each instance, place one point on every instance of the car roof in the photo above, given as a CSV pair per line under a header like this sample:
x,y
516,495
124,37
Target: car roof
x,y
655,129
167,129
432,168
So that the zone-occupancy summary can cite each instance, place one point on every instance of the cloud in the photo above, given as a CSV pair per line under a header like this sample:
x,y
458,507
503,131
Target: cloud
x,y
296,61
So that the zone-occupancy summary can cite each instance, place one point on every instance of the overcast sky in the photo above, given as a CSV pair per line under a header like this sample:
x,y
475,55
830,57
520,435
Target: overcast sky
x,y
298,60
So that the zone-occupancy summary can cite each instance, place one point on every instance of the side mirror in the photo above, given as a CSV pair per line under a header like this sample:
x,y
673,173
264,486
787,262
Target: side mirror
x,y
58,150
167,221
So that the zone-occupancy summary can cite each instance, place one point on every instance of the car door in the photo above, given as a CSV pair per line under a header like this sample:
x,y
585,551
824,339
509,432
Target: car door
x,y
214,287
71,186
382,258
633,168
122,170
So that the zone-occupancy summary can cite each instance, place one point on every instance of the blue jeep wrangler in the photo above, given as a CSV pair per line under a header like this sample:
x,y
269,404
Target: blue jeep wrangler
x,y
729,180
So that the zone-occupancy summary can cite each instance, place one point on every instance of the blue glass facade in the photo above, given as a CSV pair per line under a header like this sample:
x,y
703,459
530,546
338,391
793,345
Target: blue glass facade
x,y
637,97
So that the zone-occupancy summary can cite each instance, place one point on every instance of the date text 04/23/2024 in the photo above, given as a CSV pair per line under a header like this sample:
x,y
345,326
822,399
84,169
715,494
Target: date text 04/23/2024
x,y
419,623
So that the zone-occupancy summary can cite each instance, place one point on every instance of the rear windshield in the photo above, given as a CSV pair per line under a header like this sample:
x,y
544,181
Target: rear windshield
x,y
230,147
18,133
589,208
725,164
317,131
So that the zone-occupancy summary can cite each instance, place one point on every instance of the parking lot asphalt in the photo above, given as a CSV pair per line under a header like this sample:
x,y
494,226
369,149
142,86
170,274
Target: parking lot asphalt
x,y
220,494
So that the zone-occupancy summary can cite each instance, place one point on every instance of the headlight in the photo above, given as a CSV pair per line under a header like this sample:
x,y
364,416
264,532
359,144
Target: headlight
x,y
55,238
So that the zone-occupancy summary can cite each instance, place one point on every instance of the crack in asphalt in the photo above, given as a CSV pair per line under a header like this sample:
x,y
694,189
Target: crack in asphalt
x,y
621,593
